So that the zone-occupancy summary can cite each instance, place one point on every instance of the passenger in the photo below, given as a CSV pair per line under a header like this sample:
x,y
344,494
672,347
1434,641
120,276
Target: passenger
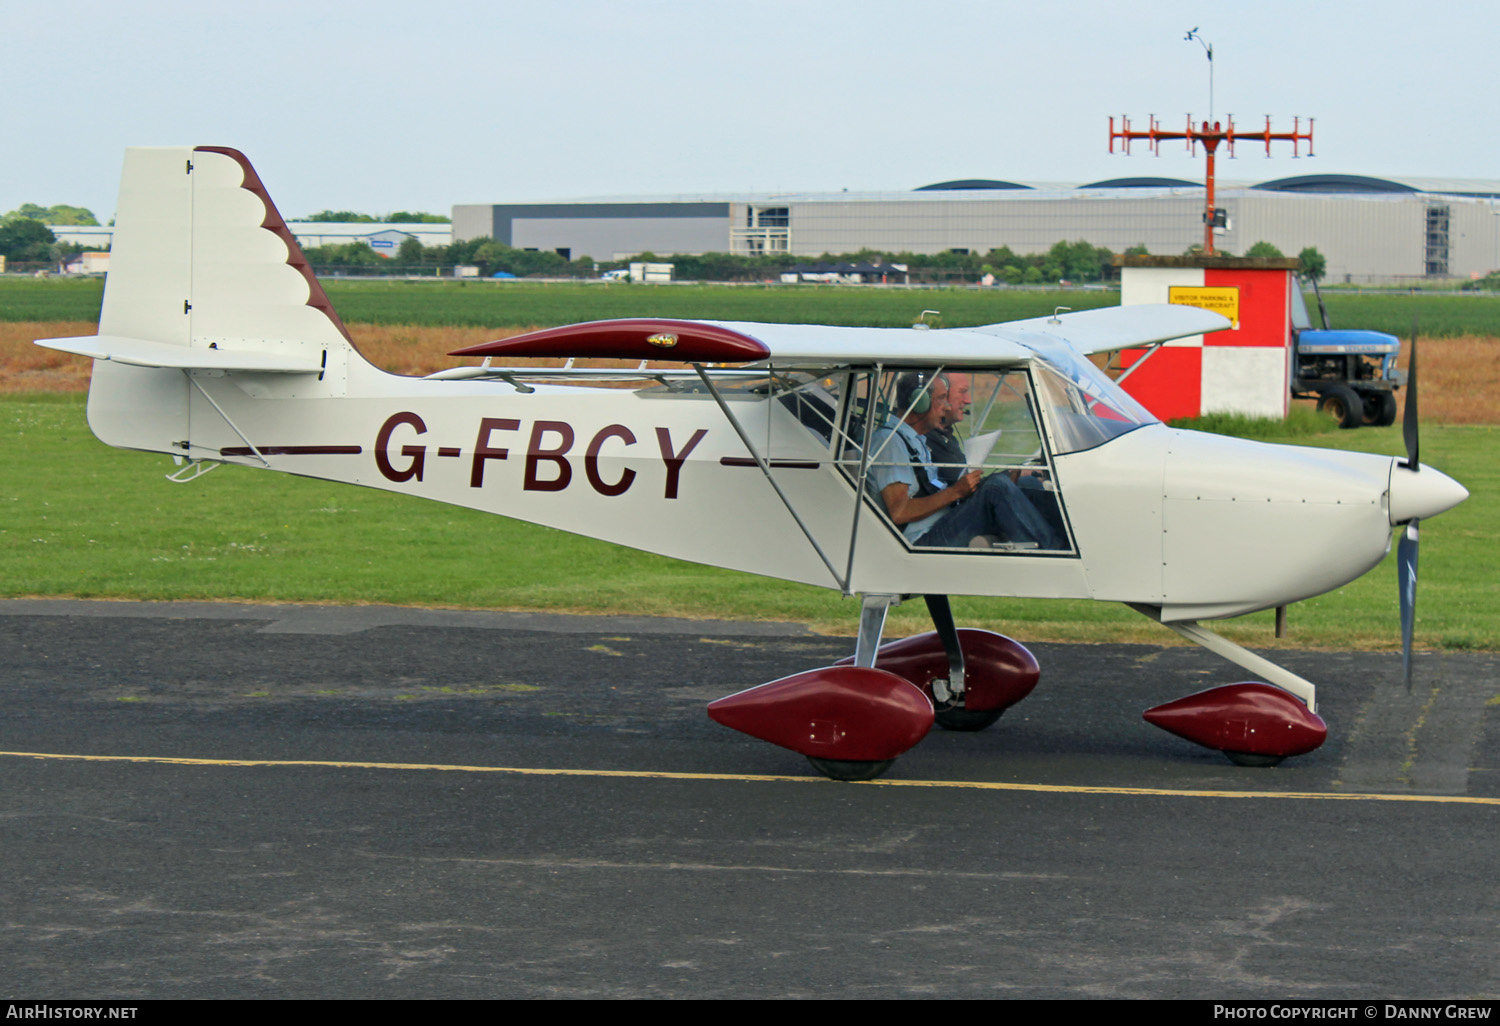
x,y
947,450
929,512
951,460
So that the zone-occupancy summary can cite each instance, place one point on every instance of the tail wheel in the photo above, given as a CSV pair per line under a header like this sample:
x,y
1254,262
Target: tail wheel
x,y
1343,404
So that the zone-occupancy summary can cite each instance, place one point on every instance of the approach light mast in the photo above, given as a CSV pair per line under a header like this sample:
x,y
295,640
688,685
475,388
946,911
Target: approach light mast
x,y
1211,134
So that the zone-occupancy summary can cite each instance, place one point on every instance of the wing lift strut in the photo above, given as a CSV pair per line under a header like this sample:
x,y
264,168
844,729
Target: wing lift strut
x,y
873,607
765,468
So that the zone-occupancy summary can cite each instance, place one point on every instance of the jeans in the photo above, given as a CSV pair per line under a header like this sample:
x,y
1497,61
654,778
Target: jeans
x,y
998,506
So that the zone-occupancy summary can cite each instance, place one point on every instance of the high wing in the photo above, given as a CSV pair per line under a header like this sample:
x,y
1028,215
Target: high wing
x,y
1009,343
1117,327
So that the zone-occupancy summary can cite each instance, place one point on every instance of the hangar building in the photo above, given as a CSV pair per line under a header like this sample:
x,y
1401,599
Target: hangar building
x,y
1369,229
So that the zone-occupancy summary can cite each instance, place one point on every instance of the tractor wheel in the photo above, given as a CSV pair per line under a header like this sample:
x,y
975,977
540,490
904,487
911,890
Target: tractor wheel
x,y
1343,404
1380,409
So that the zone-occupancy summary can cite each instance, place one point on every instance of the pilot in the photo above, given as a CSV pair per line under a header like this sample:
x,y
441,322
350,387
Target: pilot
x,y
932,513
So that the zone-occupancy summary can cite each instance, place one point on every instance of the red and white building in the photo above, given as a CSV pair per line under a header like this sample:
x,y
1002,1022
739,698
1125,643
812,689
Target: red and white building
x,y
1246,369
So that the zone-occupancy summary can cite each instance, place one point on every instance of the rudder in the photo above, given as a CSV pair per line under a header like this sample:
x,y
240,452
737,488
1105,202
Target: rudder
x,y
201,260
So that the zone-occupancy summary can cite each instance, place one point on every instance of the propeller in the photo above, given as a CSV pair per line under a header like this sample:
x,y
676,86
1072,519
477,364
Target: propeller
x,y
1406,548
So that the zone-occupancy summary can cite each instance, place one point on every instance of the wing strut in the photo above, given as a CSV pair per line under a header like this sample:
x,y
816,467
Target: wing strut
x,y
766,470
864,466
1151,351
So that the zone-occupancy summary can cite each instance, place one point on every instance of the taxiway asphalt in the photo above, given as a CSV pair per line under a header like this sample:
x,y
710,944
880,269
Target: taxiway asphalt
x,y
374,802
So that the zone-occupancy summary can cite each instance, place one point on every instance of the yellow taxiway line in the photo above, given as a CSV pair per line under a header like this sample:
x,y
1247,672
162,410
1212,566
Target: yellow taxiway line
x,y
977,785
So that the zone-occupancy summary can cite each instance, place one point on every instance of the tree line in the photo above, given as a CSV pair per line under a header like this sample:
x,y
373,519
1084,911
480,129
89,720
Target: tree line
x,y
25,237
1079,261
1073,261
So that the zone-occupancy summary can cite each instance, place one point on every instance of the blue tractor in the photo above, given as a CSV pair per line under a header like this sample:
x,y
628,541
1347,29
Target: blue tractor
x,y
1352,374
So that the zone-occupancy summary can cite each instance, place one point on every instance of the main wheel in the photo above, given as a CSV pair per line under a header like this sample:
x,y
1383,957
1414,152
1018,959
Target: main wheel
x,y
956,717
850,769
1251,759
1343,404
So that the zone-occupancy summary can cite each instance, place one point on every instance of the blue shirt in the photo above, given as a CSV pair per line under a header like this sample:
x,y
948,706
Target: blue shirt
x,y
892,464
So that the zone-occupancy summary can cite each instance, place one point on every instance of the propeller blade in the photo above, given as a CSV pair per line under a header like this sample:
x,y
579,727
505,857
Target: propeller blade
x,y
1409,417
1406,548
1406,583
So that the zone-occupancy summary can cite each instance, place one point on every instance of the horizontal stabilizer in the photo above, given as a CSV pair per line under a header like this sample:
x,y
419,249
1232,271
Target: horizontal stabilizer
x,y
139,352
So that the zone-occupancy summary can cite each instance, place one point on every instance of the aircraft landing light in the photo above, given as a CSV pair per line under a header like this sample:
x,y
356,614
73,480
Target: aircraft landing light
x,y
978,785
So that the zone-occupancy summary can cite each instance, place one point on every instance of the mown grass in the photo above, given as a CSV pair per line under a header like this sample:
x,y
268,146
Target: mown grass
x,y
486,304
1437,315
1302,421
80,519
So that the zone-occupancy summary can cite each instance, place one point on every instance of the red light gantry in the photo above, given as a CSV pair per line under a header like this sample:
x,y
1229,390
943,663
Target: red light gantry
x,y
1210,135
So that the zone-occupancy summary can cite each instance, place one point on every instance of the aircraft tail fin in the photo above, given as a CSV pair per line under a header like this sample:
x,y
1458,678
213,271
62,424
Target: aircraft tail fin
x,y
204,276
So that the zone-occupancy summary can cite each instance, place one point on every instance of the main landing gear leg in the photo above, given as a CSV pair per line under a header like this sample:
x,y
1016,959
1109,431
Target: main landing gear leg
x,y
948,695
1253,724
872,613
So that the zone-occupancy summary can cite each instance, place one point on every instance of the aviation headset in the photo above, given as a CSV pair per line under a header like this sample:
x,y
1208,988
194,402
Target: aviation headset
x,y
913,390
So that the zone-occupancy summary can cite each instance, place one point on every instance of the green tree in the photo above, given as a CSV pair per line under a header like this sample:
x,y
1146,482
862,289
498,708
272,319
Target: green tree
x,y
348,254
1314,265
411,251
341,216
409,217
1264,249
23,238
59,213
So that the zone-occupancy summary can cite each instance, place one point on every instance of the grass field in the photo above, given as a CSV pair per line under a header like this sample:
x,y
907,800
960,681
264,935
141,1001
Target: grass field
x,y
81,519
494,305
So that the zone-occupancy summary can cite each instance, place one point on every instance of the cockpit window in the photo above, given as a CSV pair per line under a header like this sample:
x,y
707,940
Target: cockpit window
x,y
1087,408
966,437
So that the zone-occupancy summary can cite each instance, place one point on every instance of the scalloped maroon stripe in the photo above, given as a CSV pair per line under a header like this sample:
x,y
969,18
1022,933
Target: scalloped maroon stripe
x,y
694,342
273,222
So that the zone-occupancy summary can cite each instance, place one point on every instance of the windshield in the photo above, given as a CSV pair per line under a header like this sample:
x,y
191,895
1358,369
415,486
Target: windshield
x,y
1087,408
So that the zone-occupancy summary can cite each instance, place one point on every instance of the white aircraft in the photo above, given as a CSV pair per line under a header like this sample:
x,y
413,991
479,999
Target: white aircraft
x,y
777,449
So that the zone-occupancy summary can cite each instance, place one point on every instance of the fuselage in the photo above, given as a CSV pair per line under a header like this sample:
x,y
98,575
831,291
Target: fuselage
x,y
1200,525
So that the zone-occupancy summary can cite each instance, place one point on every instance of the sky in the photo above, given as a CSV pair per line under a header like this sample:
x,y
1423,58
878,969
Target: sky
x,y
378,106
